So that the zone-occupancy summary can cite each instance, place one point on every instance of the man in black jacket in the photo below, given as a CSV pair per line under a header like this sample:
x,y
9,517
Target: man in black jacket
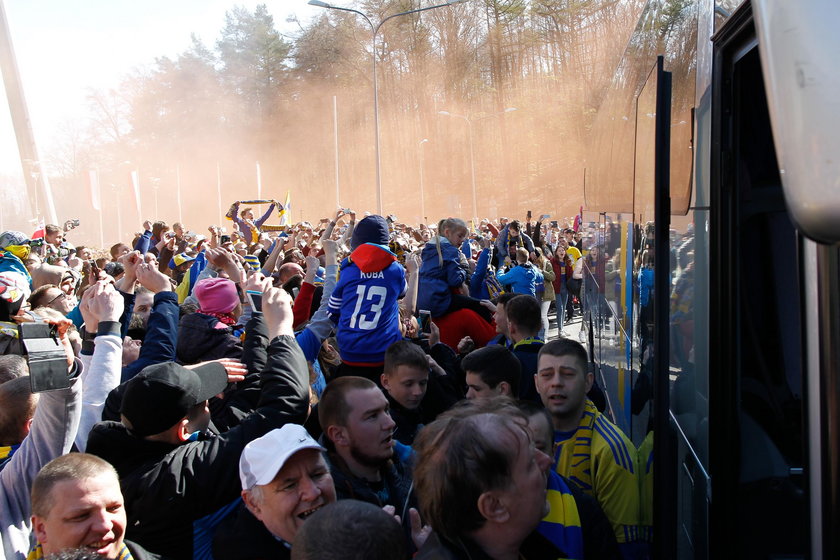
x,y
359,437
175,479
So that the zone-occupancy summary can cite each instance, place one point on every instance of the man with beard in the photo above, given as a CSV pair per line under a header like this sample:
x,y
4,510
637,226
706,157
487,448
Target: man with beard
x,y
359,437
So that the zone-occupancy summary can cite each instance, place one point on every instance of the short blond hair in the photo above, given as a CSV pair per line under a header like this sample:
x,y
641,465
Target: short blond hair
x,y
72,466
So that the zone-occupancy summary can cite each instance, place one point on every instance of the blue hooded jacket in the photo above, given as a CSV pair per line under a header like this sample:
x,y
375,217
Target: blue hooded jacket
x,y
522,279
434,292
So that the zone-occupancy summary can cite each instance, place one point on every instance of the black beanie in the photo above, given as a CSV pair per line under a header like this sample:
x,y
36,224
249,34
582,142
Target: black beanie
x,y
372,229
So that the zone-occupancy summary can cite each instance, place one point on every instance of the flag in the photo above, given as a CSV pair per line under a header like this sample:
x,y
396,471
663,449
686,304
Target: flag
x,y
40,230
93,182
286,210
185,288
135,183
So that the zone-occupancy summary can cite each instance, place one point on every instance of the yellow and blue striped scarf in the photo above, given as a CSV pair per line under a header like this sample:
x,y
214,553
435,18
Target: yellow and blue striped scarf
x,y
37,553
6,454
562,524
576,465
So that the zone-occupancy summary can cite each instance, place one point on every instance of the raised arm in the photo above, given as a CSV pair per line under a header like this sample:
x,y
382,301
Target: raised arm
x,y
274,255
162,329
412,268
267,214
101,308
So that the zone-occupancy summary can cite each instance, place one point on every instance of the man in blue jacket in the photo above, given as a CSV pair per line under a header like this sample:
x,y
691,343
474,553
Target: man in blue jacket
x,y
509,240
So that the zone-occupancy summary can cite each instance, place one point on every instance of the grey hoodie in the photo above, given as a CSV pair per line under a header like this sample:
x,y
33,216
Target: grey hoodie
x,y
53,429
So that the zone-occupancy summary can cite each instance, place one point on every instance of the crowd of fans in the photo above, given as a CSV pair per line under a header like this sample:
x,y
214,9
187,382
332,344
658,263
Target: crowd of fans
x,y
342,390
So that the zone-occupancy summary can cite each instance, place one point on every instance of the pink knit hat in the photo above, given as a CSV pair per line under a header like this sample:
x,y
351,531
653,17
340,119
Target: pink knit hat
x,y
216,295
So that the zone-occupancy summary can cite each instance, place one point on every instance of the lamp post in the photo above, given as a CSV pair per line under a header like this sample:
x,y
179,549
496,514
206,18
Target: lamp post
x,y
422,196
375,31
472,151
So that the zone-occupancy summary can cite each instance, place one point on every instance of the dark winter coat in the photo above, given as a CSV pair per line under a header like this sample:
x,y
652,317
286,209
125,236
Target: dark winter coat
x,y
173,492
199,340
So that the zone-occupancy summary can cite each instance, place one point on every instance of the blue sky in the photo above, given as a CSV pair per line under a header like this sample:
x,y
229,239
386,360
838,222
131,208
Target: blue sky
x,y
63,48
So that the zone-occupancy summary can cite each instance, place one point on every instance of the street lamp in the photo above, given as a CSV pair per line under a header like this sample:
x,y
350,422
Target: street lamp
x,y
472,151
422,196
375,31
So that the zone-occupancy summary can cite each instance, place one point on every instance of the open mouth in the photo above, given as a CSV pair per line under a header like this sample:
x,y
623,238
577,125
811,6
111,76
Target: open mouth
x,y
302,516
100,547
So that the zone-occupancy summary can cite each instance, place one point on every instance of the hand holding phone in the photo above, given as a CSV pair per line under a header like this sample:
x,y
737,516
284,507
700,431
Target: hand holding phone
x,y
425,319
254,300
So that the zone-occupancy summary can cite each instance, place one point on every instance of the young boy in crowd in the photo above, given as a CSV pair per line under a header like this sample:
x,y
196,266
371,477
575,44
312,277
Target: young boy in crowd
x,y
405,380
364,304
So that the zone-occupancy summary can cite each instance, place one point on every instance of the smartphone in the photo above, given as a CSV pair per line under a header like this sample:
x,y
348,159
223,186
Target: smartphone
x,y
254,300
554,223
545,217
94,271
224,239
529,214
424,318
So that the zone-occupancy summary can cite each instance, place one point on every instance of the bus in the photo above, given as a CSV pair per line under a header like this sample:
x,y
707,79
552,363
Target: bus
x,y
712,306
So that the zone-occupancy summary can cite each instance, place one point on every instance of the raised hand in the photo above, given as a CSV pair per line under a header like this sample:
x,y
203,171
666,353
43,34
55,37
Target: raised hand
x,y
277,310
153,279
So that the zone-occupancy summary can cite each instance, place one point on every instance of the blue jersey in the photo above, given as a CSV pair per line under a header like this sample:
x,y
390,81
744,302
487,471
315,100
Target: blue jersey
x,y
364,304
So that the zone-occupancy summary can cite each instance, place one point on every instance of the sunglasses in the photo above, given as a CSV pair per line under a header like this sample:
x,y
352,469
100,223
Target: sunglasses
x,y
60,296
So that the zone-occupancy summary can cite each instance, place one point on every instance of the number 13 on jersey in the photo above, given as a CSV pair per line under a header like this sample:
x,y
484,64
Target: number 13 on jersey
x,y
369,301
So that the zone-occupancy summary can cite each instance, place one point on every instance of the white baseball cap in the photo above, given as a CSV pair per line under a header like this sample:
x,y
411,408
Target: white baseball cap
x,y
263,457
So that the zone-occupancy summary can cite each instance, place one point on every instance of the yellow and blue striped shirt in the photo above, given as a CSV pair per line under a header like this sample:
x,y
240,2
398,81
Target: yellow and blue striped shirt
x,y
601,461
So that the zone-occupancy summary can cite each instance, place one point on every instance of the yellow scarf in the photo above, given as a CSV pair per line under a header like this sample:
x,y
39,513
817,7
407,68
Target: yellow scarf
x,y
37,553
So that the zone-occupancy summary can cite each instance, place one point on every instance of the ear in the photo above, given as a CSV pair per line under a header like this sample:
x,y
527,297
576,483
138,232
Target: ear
x,y
39,529
503,388
492,508
338,435
512,328
252,505
27,426
590,379
386,383
181,432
